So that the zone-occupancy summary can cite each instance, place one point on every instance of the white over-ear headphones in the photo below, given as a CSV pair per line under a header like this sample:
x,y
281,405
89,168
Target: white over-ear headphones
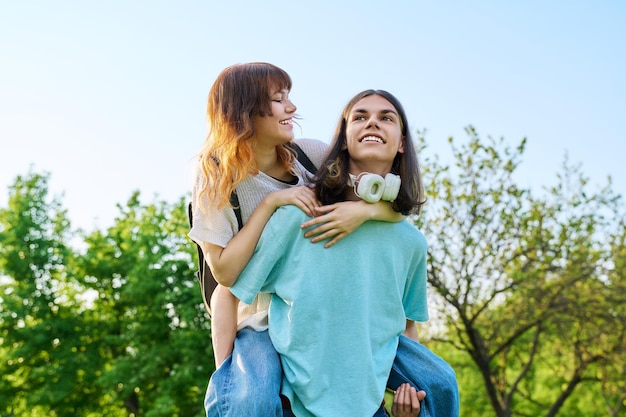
x,y
373,187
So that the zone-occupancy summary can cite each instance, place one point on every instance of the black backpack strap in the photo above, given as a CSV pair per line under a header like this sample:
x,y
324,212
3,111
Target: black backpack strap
x,y
234,201
204,275
304,158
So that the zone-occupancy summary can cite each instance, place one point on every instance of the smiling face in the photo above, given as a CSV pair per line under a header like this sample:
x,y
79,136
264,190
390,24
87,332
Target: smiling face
x,y
373,135
276,128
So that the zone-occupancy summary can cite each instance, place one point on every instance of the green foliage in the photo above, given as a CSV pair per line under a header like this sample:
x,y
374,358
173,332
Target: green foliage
x,y
116,330
41,335
156,331
523,283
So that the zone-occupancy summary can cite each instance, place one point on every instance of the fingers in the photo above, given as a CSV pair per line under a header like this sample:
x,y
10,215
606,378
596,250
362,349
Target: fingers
x,y
335,222
319,218
325,231
421,395
303,197
406,401
324,224
330,243
313,222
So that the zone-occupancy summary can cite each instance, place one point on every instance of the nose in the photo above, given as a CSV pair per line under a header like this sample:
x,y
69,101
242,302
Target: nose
x,y
291,108
372,122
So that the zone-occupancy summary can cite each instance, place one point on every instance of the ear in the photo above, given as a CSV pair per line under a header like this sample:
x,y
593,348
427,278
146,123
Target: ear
x,y
344,145
401,147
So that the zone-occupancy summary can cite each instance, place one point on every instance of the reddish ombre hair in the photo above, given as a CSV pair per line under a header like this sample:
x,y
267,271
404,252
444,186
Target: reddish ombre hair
x,y
239,93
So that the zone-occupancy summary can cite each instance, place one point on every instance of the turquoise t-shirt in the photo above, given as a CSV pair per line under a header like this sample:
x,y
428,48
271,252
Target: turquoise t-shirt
x,y
336,314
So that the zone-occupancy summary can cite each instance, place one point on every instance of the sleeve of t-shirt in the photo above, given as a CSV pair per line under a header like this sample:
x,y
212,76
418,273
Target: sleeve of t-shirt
x,y
415,299
266,263
210,224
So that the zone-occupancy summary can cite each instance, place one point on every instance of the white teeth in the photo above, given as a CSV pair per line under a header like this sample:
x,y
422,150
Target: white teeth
x,y
372,139
285,122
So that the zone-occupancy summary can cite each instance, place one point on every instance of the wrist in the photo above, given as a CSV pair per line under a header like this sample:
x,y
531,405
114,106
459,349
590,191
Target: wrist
x,y
270,203
375,211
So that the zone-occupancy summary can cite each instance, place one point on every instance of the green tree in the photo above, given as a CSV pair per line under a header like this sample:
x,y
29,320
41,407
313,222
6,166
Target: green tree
x,y
117,329
612,375
522,282
44,368
152,320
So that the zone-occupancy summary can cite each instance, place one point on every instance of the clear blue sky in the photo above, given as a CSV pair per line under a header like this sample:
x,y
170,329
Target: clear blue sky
x,y
109,96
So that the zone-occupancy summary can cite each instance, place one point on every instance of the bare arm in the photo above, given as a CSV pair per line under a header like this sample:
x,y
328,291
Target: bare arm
x,y
340,219
410,330
223,323
227,262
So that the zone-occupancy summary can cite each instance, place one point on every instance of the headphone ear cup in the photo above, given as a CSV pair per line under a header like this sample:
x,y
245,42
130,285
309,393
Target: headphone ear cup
x,y
371,187
392,187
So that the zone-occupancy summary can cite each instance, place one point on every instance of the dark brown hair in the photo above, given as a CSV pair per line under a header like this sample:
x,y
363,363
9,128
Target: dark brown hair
x,y
331,181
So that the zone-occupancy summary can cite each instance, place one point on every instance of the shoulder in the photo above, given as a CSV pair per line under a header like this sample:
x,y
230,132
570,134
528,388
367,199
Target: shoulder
x,y
285,216
315,149
282,229
407,231
307,143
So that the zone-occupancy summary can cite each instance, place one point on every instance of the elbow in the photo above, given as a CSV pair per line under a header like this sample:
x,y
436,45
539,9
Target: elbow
x,y
224,278
225,282
221,269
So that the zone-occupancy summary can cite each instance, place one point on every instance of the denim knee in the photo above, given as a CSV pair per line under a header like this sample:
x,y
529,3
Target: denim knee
x,y
417,365
248,382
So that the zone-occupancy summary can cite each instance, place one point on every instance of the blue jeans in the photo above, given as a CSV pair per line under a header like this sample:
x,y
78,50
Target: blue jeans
x,y
424,370
248,382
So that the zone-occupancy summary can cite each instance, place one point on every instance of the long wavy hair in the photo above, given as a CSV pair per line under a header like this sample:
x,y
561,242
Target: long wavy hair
x,y
331,181
239,93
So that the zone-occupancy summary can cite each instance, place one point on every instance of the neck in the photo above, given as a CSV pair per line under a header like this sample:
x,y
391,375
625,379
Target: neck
x,y
374,167
350,196
267,162
265,157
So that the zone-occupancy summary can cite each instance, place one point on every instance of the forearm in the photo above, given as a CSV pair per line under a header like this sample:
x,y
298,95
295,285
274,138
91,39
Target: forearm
x,y
227,263
410,330
223,323
383,211
340,219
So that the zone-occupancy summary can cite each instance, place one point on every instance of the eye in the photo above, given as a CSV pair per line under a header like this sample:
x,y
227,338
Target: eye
x,y
359,117
280,96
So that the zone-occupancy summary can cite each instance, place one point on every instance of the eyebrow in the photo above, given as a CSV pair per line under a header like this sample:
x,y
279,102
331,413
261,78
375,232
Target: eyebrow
x,y
385,111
